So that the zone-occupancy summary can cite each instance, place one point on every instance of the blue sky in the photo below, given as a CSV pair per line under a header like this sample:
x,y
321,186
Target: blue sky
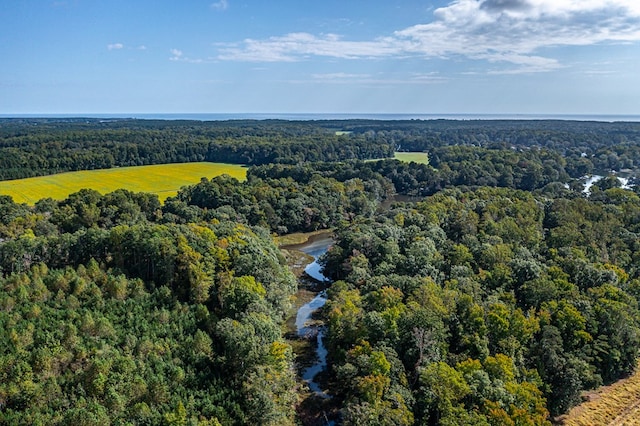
x,y
309,56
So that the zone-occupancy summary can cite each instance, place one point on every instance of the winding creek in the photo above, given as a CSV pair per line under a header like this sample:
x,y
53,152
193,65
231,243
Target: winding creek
x,y
303,316
305,328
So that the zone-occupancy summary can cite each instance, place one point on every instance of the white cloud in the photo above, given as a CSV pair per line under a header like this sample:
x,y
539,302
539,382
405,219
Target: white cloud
x,y
506,31
220,5
178,56
297,46
115,46
518,28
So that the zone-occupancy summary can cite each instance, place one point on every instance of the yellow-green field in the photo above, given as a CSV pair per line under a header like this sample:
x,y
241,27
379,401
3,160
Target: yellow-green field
x,y
417,157
162,179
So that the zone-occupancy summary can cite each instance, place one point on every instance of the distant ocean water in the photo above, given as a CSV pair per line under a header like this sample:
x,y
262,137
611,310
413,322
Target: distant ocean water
x,y
334,116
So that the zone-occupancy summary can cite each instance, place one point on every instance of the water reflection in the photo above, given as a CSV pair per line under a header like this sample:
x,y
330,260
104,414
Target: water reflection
x,y
304,325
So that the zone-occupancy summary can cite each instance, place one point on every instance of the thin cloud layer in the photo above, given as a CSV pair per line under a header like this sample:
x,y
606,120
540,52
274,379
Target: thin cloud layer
x,y
504,31
115,46
177,55
346,78
220,5
296,46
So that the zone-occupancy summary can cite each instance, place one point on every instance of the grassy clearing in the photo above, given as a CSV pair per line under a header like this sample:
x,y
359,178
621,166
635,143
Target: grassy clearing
x,y
298,237
407,157
416,157
162,179
617,404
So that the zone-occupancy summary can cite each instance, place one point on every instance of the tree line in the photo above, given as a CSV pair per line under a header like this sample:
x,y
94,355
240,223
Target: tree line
x,y
46,147
34,147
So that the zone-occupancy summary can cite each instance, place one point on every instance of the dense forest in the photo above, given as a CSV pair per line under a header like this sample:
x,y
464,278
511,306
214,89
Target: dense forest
x,y
42,147
490,306
495,297
33,147
137,321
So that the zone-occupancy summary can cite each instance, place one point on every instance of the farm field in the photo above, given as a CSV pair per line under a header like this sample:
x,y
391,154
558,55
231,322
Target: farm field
x,y
162,179
417,157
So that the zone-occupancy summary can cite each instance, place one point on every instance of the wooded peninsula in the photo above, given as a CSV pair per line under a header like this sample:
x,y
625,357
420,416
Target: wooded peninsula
x,y
487,287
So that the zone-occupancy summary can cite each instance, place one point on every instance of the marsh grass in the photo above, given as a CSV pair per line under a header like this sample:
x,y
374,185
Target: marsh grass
x,y
614,405
298,237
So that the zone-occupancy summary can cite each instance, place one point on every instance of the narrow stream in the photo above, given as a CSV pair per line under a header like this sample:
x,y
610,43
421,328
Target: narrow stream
x,y
304,330
304,326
